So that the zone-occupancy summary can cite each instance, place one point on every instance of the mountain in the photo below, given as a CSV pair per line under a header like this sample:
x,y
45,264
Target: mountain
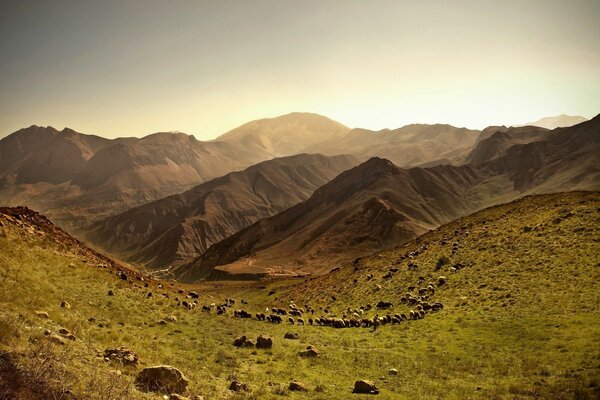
x,y
375,205
559,121
285,135
183,226
494,141
568,159
77,178
410,145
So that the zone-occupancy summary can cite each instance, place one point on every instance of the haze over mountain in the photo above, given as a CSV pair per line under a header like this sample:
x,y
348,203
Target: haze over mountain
x,y
296,133
183,226
377,205
76,178
408,146
559,121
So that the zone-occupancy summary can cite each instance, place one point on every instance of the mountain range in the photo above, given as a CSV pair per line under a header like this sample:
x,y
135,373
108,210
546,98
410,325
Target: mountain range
x,y
289,195
378,205
183,226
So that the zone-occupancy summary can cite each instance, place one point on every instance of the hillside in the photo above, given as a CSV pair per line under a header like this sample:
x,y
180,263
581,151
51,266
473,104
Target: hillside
x,y
370,207
77,178
520,316
183,226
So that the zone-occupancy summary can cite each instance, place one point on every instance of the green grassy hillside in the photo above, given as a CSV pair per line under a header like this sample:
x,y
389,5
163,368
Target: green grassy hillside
x,y
521,316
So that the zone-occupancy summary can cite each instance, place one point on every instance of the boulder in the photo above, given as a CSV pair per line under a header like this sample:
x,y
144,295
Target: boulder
x,y
309,352
243,341
264,342
297,387
291,335
365,387
163,379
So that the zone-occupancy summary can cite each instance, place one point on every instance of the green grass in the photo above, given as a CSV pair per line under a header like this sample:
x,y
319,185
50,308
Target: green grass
x,y
529,329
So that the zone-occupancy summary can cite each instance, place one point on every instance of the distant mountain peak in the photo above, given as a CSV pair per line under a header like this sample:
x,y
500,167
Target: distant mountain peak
x,y
558,121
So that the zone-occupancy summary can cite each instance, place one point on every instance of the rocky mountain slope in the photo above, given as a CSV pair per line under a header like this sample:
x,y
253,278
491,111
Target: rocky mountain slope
x,y
183,226
373,206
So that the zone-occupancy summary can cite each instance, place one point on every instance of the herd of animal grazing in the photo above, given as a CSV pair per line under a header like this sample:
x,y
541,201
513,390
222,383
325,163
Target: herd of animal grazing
x,y
418,298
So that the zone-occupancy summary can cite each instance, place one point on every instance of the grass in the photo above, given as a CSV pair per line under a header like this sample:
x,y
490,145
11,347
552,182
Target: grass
x,y
529,327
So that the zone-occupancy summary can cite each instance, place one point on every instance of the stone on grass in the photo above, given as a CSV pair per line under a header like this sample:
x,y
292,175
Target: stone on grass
x,y
122,355
309,352
365,387
297,387
163,379
291,335
42,314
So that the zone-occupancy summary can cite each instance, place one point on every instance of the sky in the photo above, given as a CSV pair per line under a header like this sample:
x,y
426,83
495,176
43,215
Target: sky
x,y
130,68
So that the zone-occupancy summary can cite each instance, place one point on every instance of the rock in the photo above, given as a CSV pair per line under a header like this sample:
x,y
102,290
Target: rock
x,y
57,339
66,305
291,335
171,318
71,265
441,280
237,386
64,331
297,387
248,343
122,355
163,379
309,352
162,322
393,371
111,293
42,314
264,342
365,387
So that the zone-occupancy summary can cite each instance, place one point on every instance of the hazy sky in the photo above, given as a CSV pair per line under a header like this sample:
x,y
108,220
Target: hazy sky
x,y
129,68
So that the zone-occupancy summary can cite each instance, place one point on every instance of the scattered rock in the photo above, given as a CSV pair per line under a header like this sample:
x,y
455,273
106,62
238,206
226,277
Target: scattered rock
x,y
55,338
171,318
111,293
42,314
161,378
291,335
237,386
393,371
264,342
309,352
162,322
248,343
122,355
297,387
365,387
65,304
